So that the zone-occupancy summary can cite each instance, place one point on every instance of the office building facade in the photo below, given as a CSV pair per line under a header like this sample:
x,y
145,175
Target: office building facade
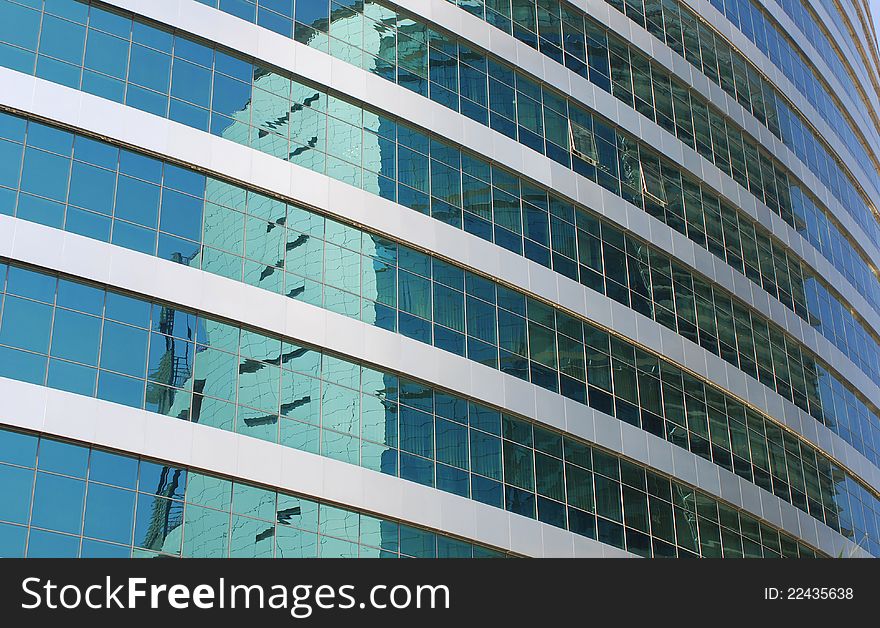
x,y
437,278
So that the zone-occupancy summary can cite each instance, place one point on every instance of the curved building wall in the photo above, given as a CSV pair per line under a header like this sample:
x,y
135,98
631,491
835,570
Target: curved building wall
x,y
431,279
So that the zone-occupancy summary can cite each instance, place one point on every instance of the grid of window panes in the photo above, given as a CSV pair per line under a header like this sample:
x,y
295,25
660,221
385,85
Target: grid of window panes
x,y
62,500
567,35
161,209
690,211
733,73
83,339
816,34
685,213
837,15
255,106
683,31
404,49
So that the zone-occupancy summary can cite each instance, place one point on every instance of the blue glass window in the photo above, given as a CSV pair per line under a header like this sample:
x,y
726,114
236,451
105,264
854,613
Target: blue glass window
x,y
10,163
127,310
231,96
62,39
121,389
109,513
23,366
181,215
71,377
315,14
64,458
124,349
97,549
26,324
150,68
157,524
17,489
19,449
81,297
137,201
92,188
42,544
45,174
106,54
19,25
113,469
191,83
485,454
76,337
58,503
